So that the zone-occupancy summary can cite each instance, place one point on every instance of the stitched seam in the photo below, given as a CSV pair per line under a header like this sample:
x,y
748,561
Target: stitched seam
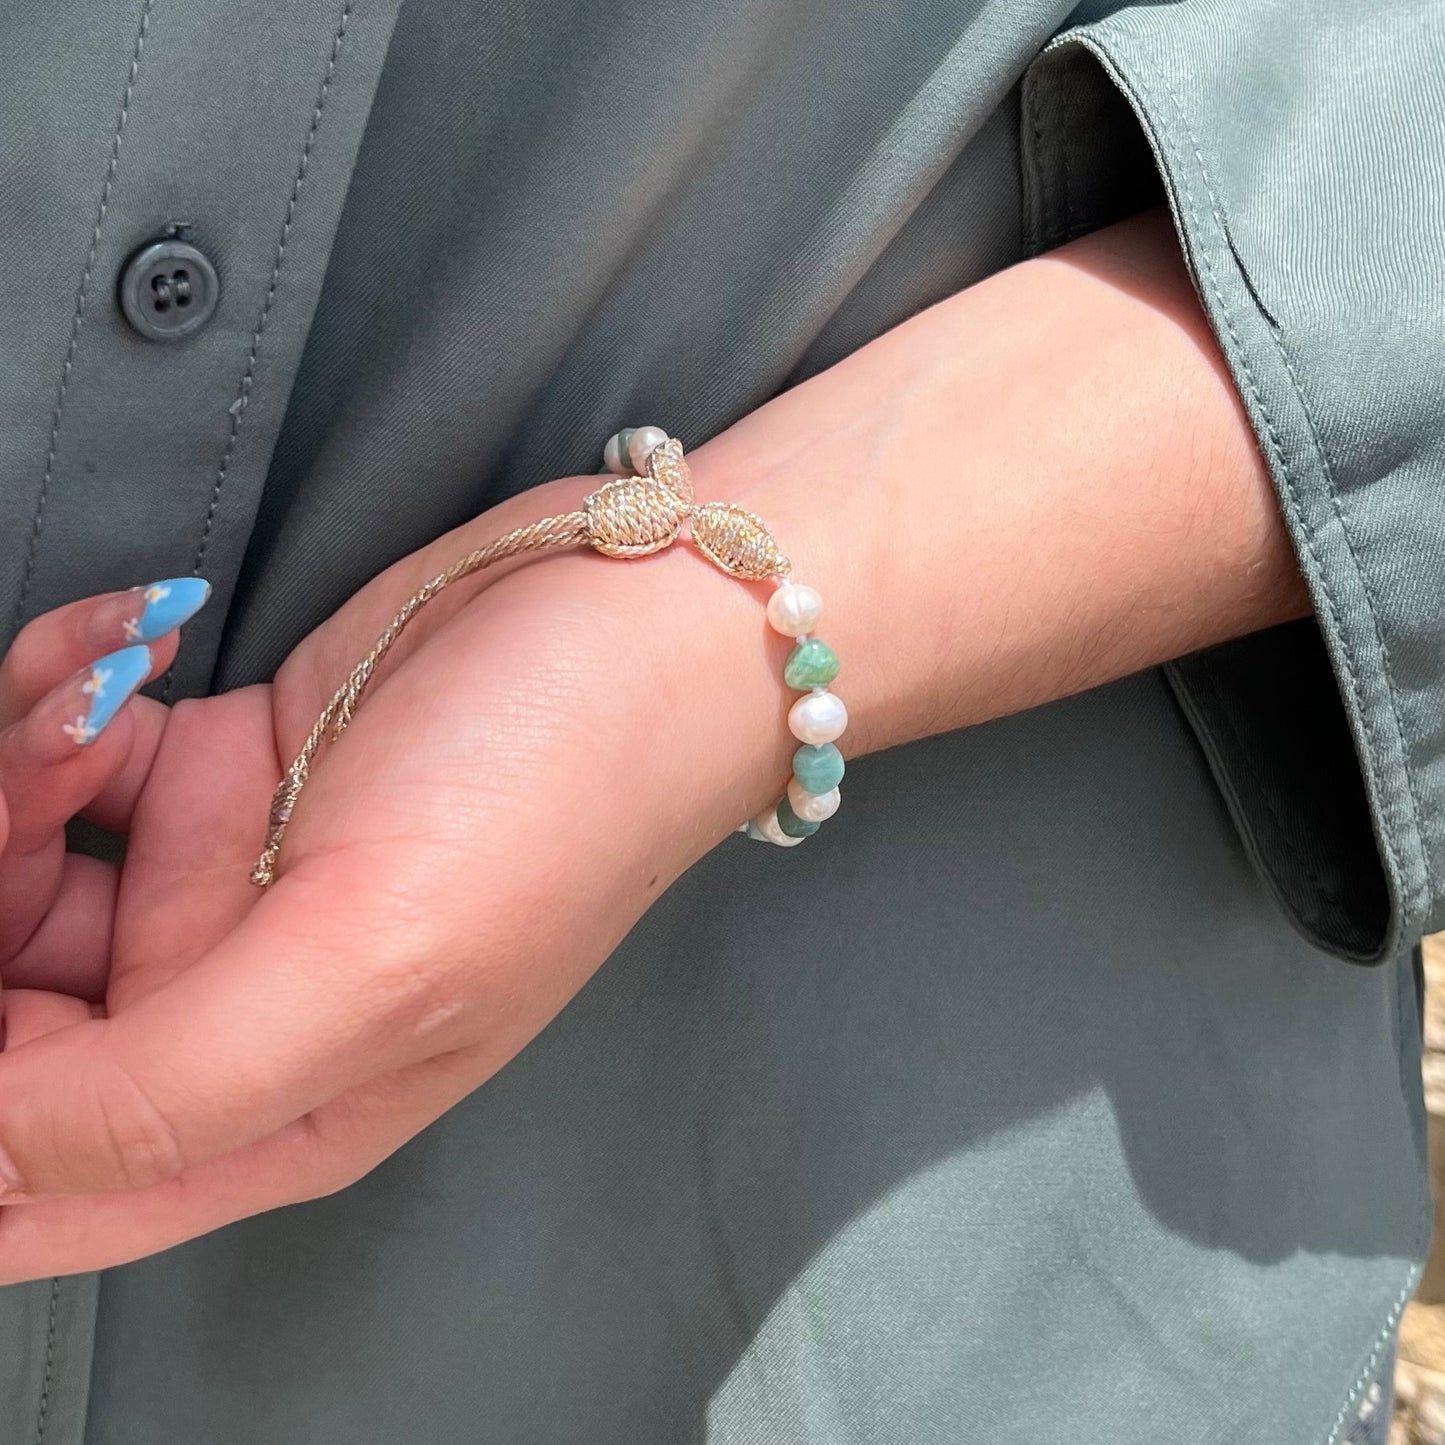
x,y
1190,691
1066,155
1422,1222
1036,181
1377,1352
1335,506
1222,715
1048,77
248,376
1386,663
1330,608
44,1415
1329,618
37,525
1049,228
1424,1218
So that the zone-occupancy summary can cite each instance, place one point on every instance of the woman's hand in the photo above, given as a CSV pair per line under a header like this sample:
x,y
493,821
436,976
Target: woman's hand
x,y
539,763
1036,486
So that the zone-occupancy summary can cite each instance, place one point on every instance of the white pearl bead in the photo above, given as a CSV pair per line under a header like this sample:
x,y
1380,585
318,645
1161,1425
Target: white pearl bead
x,y
818,717
645,441
612,454
812,807
767,824
794,609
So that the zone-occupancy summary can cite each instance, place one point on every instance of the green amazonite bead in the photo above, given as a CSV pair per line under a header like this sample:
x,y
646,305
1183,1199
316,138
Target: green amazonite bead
x,y
812,663
818,767
791,823
623,438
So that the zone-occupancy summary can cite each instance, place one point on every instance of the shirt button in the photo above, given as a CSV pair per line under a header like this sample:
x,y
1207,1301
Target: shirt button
x,y
168,290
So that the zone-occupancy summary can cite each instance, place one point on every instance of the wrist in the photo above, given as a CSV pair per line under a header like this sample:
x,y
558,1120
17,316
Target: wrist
x,y
1038,485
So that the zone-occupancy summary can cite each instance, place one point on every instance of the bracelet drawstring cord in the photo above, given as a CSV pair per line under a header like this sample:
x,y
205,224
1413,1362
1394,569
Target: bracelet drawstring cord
x,y
629,516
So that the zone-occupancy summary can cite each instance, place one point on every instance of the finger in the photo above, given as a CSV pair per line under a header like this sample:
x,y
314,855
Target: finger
x,y
133,736
69,951
282,1017
313,1157
406,928
70,637
188,862
69,746
30,1014
114,805
67,749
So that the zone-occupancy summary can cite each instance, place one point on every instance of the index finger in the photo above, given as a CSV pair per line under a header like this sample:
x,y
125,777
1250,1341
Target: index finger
x,y
64,640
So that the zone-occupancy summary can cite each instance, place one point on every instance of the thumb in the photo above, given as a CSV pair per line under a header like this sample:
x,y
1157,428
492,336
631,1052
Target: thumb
x,y
249,1039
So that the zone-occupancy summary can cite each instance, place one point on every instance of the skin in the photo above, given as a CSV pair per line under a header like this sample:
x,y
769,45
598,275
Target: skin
x,y
1037,486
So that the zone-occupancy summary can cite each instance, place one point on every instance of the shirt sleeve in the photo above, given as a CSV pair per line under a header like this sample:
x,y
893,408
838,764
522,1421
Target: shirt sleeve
x,y
1301,150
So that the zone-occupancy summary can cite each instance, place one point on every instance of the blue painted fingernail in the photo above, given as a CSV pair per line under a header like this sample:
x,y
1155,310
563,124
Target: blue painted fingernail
x,y
167,605
107,686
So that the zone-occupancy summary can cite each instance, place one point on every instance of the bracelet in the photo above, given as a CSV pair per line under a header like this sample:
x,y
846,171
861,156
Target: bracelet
x,y
819,717
643,509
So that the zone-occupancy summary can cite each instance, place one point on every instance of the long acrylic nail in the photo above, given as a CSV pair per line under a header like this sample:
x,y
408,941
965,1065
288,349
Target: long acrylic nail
x,y
146,613
166,605
104,689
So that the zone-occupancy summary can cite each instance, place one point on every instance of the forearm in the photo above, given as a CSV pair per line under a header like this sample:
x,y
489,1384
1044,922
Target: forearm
x,y
1039,485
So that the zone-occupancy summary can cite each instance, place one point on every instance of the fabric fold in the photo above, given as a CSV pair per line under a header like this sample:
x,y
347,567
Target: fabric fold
x,y
1302,154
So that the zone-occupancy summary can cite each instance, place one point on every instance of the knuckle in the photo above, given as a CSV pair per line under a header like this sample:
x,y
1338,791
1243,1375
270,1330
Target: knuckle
x,y
331,1166
434,1025
139,1146
434,1010
417,984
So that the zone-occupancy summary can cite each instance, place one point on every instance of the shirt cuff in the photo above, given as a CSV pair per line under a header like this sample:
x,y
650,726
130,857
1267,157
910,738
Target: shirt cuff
x,y
1299,167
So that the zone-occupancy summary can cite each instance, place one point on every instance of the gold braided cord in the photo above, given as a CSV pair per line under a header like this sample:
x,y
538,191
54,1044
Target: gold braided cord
x,y
737,541
625,517
569,530
667,465
633,516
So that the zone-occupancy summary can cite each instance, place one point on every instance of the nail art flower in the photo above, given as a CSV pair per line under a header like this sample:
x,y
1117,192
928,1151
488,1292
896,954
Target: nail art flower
x,y
156,592
164,606
80,731
108,684
94,685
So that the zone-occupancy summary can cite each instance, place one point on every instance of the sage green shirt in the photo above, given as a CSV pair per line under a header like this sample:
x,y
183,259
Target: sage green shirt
x,y
1066,1109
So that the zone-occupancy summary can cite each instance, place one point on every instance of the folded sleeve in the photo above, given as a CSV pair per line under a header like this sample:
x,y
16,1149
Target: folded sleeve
x,y
1301,150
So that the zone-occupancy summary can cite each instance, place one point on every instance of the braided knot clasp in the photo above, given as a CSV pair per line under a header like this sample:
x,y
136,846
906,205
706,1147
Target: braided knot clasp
x,y
633,516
